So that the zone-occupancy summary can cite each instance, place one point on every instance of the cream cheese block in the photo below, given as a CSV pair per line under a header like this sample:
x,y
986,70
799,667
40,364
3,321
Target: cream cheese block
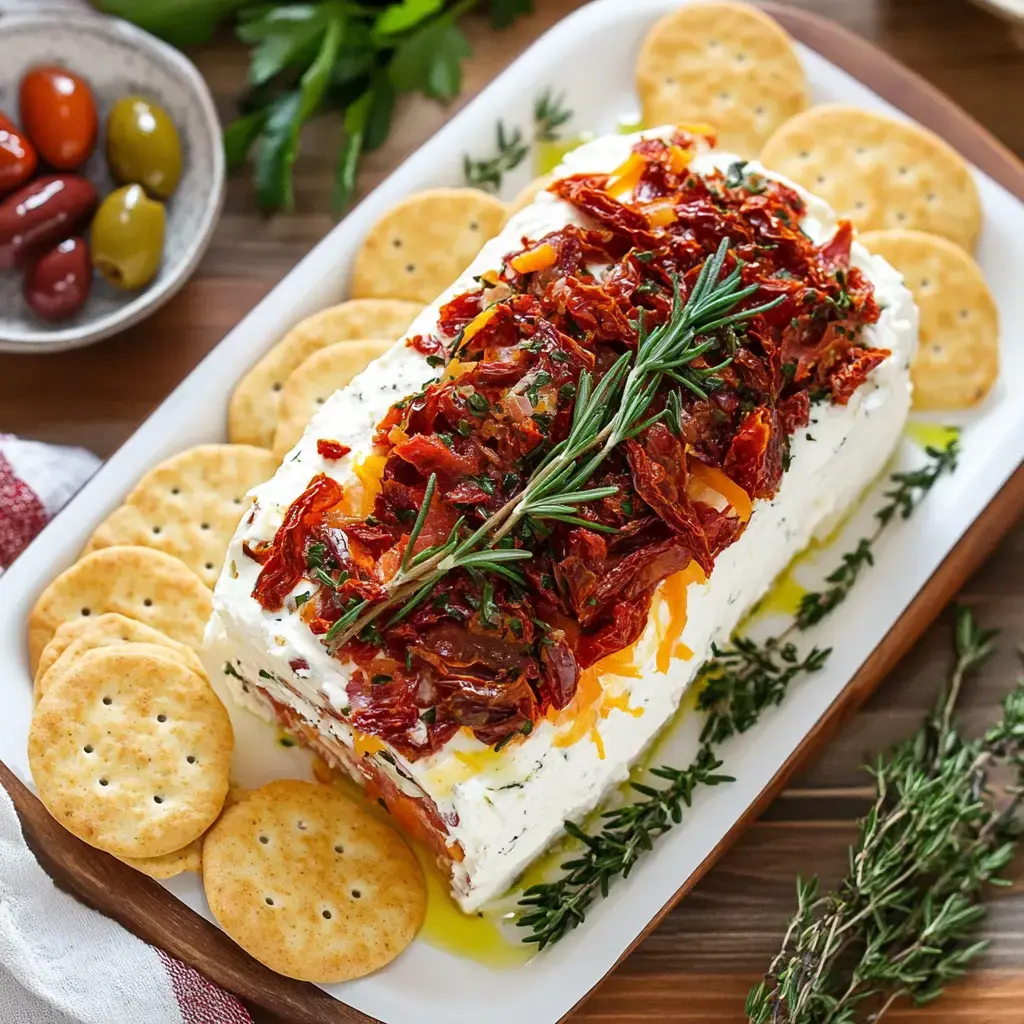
x,y
504,808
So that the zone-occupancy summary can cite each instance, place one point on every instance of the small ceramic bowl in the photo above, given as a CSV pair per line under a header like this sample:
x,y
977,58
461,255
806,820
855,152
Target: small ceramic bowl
x,y
116,58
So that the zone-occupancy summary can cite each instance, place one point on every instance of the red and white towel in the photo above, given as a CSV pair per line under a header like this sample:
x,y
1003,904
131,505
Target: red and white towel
x,y
60,962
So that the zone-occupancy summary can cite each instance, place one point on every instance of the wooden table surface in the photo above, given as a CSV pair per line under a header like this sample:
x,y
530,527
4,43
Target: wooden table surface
x,y
699,964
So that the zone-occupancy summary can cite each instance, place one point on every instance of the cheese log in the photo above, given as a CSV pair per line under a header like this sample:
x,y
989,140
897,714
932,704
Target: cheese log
x,y
488,814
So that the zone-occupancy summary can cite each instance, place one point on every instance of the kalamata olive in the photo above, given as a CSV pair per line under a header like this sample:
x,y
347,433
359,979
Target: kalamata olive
x,y
59,113
143,146
17,156
38,216
128,237
58,283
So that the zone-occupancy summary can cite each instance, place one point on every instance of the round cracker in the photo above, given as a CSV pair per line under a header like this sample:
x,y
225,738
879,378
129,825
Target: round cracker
x,y
877,172
161,647
957,359
310,885
252,414
315,381
138,582
190,858
726,64
189,505
419,247
130,752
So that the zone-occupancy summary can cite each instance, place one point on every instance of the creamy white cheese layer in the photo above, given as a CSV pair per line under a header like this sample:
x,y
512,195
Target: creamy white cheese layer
x,y
510,806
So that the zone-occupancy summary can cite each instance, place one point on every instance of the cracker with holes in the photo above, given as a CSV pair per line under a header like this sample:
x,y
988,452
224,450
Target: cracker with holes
x,y
957,359
130,752
160,647
421,245
315,381
104,630
879,173
310,885
170,865
252,414
137,582
726,64
189,505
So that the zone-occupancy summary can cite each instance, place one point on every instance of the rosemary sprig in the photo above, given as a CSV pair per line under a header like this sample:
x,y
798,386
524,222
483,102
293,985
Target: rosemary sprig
x,y
487,174
940,832
737,686
604,415
909,488
549,115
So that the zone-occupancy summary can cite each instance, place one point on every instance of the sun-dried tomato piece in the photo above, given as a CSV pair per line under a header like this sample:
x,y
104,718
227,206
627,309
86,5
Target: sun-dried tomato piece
x,y
331,449
754,459
493,710
559,671
258,552
287,562
794,412
854,370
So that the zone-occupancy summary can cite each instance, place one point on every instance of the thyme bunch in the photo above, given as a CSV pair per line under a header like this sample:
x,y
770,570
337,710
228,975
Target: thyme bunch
x,y
941,830
735,687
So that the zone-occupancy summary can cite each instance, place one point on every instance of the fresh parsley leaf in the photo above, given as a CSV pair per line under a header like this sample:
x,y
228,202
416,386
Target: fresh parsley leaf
x,y
240,135
403,16
283,37
272,173
430,60
181,22
505,12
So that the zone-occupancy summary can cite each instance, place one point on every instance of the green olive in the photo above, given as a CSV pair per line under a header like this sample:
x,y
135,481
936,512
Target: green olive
x,y
127,239
143,146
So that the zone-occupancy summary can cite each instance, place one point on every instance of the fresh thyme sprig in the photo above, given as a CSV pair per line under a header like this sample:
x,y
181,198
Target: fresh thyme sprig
x,y
736,687
549,115
604,415
940,832
487,174
909,488
551,909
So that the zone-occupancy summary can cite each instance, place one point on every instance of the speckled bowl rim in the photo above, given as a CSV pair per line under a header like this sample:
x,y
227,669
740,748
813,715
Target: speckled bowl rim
x,y
151,48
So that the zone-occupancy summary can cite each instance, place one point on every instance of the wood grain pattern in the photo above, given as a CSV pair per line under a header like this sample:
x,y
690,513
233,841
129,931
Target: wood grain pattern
x,y
698,964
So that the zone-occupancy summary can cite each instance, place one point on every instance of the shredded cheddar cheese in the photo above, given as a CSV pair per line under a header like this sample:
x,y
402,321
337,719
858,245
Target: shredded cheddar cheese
x,y
480,321
678,159
673,592
719,482
540,257
660,213
625,177
363,743
369,472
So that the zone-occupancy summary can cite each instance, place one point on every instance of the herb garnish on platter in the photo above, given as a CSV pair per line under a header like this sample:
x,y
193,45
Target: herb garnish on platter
x,y
736,686
305,58
902,923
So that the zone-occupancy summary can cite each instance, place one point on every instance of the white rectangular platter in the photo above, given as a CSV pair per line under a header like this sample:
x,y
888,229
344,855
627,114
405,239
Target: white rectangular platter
x,y
590,57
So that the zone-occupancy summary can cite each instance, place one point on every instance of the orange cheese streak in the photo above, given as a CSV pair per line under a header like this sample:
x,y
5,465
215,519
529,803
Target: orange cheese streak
x,y
718,481
538,258
659,213
626,175
479,322
673,590
363,743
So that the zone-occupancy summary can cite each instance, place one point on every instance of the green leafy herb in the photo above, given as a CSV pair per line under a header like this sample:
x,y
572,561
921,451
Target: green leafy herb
x,y
306,58
550,114
944,825
488,174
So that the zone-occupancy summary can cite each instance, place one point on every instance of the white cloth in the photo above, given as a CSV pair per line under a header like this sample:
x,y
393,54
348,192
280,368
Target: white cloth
x,y
62,963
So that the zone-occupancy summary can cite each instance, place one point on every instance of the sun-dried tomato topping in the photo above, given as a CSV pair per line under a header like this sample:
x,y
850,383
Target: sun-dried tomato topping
x,y
332,449
287,562
481,651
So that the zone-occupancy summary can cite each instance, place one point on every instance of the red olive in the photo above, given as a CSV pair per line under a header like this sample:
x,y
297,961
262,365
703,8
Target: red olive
x,y
59,113
57,285
17,156
38,216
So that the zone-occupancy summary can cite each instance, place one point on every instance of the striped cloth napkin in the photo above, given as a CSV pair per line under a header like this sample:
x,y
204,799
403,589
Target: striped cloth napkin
x,y
60,962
